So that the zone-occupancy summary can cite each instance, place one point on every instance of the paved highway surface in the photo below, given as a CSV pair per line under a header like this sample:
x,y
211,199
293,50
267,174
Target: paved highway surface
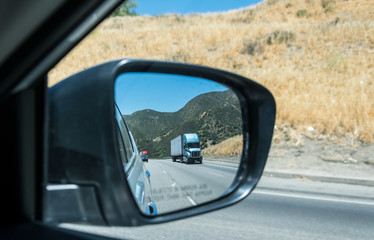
x,y
179,185
277,209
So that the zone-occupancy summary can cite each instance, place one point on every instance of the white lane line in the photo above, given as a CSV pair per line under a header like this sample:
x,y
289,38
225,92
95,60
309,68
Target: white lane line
x,y
191,201
215,173
164,171
312,198
173,185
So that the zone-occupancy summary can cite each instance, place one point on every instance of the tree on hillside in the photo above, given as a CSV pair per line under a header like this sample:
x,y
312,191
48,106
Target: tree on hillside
x,y
125,9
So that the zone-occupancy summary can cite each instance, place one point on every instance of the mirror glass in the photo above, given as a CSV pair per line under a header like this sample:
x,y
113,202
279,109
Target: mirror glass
x,y
185,138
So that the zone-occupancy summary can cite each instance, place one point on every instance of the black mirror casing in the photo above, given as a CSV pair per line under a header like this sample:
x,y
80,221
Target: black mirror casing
x,y
84,152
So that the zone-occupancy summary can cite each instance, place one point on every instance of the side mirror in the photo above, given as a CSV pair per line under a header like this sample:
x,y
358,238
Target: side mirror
x,y
100,117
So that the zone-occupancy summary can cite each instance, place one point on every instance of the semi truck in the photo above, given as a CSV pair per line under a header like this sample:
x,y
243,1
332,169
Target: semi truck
x,y
186,148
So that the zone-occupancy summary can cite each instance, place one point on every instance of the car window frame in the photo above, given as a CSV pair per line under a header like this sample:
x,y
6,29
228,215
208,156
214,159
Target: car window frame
x,y
122,127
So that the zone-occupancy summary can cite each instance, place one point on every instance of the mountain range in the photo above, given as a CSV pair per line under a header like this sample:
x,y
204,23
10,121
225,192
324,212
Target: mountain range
x,y
214,116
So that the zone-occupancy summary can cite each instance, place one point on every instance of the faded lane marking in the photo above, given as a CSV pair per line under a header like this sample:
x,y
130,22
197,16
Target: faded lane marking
x,y
312,197
215,173
191,201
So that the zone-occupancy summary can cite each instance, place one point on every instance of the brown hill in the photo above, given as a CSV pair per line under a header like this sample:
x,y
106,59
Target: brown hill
x,y
316,56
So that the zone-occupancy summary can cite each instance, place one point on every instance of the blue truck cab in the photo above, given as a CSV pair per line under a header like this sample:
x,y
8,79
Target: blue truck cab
x,y
186,148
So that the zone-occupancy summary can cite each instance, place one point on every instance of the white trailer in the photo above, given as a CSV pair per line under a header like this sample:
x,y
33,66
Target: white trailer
x,y
176,147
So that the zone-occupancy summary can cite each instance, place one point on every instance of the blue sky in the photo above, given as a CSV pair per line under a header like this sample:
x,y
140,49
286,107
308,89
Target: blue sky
x,y
154,7
159,92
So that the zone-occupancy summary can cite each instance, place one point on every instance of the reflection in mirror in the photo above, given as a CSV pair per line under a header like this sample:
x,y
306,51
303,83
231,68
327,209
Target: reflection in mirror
x,y
191,131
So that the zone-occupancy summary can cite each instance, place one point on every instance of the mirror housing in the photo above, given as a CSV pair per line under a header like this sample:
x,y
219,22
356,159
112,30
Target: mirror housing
x,y
84,151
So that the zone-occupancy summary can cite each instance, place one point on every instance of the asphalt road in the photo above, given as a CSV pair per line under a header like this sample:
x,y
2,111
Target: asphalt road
x,y
179,185
277,209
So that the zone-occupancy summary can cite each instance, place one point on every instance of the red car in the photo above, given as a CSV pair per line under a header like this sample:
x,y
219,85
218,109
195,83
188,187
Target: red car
x,y
144,156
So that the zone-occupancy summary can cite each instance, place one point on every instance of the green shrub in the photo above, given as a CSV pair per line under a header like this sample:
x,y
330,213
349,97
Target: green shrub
x,y
280,37
301,13
328,5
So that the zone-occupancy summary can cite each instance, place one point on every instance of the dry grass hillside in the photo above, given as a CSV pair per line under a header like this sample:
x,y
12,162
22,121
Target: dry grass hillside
x,y
230,147
315,56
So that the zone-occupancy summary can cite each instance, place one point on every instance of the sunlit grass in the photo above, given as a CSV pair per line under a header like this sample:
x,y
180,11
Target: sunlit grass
x,y
230,147
320,67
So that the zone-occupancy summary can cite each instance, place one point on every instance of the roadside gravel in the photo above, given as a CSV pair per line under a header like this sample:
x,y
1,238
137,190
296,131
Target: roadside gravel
x,y
328,160
324,158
